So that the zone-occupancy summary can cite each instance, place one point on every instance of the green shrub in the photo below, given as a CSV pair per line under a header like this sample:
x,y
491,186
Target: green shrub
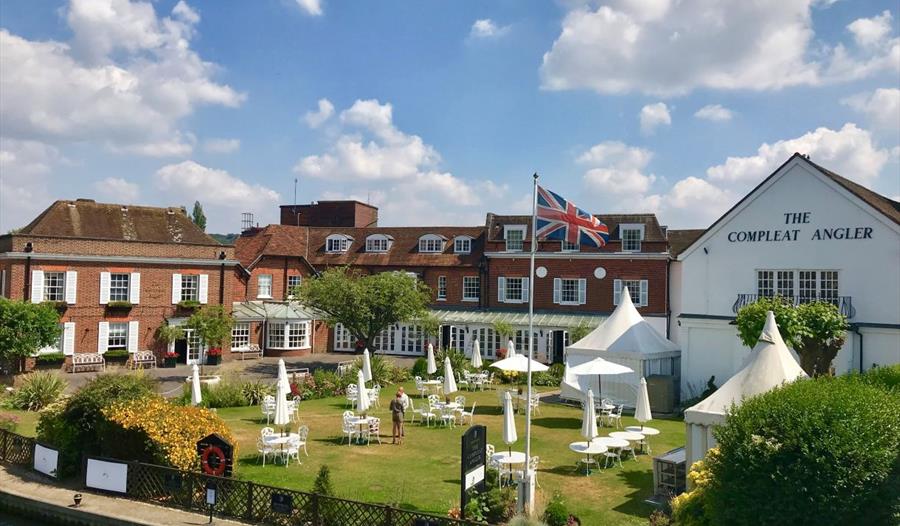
x,y
382,369
555,514
53,358
824,451
254,392
229,392
116,355
420,368
9,422
77,426
551,377
328,383
884,377
495,505
458,360
37,391
119,305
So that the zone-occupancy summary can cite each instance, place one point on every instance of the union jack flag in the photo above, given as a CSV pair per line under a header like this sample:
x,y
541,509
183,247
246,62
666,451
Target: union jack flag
x,y
560,219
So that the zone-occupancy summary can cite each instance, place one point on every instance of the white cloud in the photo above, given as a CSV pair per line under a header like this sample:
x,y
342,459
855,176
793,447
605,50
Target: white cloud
x,y
487,28
311,7
669,48
849,151
222,145
25,168
873,31
616,168
715,113
222,194
375,161
690,202
881,107
118,190
314,119
654,115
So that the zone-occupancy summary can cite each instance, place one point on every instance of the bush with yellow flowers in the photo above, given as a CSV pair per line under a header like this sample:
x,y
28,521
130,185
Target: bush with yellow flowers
x,y
688,509
153,430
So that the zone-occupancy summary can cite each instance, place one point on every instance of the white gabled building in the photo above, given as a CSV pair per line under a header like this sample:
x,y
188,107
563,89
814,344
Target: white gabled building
x,y
805,233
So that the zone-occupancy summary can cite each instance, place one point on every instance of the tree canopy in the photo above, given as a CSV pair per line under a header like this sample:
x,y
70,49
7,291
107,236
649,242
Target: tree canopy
x,y
213,324
198,217
366,304
25,328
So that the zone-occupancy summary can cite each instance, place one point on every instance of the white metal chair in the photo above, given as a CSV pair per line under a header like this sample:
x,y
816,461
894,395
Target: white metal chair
x,y
535,405
470,415
533,465
292,451
448,417
615,415
266,431
268,408
461,400
428,415
373,430
350,429
462,380
612,454
420,386
375,395
302,436
263,449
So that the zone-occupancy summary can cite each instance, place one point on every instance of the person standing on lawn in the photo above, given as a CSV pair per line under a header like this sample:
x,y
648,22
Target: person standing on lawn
x,y
404,398
397,413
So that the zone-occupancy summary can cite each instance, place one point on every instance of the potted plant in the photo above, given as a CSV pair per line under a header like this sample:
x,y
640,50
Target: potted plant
x,y
169,359
118,306
213,325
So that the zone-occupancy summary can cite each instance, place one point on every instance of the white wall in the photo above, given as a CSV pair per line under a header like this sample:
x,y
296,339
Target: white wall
x,y
709,283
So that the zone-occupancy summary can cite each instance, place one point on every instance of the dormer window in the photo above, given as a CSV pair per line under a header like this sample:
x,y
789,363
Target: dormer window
x,y
462,245
631,235
379,243
432,243
515,237
337,243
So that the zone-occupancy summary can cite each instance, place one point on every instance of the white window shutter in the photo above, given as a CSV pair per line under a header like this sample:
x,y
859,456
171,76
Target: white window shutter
x,y
176,288
134,288
582,291
37,286
617,291
69,338
644,302
525,283
133,335
557,290
71,286
203,292
104,288
501,289
102,336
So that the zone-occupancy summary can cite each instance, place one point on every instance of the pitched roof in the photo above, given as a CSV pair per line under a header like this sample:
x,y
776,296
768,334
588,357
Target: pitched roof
x,y
87,219
652,230
885,205
681,239
273,240
404,251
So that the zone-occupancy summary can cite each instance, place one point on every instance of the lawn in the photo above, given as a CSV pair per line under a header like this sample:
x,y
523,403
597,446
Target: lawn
x,y
423,473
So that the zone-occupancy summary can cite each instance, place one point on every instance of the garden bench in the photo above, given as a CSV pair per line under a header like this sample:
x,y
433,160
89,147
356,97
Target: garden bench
x,y
142,359
344,367
87,361
253,350
302,372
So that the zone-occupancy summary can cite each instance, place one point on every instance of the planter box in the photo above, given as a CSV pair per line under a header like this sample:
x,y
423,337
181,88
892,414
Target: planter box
x,y
213,360
169,362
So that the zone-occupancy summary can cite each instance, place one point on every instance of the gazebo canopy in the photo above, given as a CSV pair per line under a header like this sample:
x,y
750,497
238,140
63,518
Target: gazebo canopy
x,y
271,310
769,365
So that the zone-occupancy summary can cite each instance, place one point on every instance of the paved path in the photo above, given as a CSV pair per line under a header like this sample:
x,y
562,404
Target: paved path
x,y
28,485
172,380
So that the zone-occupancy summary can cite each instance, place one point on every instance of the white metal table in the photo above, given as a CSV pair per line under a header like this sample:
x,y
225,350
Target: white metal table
x,y
594,447
362,422
647,432
280,440
508,459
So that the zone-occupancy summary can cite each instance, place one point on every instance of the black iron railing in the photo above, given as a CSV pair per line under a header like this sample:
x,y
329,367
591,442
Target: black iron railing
x,y
843,303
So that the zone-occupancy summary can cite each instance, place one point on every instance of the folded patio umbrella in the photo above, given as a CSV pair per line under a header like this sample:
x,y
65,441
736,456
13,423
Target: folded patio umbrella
x,y
283,376
509,422
589,418
362,394
510,349
196,396
598,366
367,365
476,355
449,380
432,366
282,416
642,406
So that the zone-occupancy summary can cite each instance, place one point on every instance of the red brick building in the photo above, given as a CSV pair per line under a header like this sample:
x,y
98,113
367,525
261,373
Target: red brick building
x,y
116,273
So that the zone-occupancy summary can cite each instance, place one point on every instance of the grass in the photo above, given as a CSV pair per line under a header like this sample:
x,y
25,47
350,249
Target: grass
x,y
423,473
27,421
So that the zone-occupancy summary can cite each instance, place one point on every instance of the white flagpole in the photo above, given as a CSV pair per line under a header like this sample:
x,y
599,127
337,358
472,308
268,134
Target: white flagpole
x,y
529,493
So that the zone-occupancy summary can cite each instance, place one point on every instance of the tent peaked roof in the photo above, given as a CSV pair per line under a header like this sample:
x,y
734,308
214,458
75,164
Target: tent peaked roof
x,y
625,331
769,365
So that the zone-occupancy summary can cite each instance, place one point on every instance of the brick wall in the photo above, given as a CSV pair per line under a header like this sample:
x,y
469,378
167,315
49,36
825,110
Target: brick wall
x,y
279,268
330,213
98,247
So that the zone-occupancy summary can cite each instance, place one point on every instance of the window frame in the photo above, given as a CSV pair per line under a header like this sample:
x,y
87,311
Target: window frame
x,y
259,286
240,331
284,330
292,277
467,286
195,286
465,241
441,288
432,244
343,242
124,336
521,286
795,283
575,291
631,227
115,291
60,277
379,239
523,229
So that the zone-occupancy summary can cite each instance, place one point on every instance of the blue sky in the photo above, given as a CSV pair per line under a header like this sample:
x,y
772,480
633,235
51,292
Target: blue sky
x,y
439,111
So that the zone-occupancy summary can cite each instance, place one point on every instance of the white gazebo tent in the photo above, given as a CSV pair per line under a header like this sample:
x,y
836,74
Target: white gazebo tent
x,y
625,338
769,365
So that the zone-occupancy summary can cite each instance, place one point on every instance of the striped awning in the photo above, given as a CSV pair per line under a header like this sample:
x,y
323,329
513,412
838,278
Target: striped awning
x,y
271,310
518,319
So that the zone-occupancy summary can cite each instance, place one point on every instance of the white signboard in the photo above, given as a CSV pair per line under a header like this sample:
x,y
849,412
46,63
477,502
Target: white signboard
x,y
45,460
109,476
211,496
474,477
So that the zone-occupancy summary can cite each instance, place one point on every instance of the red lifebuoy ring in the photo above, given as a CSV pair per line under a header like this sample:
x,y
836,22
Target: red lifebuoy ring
x,y
219,468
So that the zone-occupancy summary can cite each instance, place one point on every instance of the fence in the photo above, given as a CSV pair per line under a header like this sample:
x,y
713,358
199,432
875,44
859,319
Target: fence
x,y
241,499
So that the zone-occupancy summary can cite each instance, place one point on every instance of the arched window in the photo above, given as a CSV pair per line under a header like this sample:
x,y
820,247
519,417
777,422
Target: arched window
x,y
432,243
379,243
336,243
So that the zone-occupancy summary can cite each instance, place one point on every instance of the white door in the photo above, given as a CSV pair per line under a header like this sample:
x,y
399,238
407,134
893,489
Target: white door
x,y
195,349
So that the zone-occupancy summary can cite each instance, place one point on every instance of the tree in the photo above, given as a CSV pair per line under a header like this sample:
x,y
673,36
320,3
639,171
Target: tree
x,y
25,328
198,217
366,304
823,335
816,330
213,325
580,331
503,329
